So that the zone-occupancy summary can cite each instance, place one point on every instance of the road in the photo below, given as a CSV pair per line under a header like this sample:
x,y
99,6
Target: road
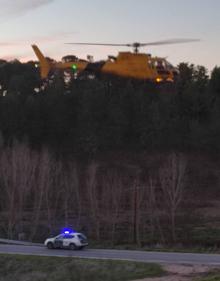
x,y
158,257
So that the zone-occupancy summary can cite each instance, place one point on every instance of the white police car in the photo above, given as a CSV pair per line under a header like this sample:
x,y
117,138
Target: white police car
x,y
69,240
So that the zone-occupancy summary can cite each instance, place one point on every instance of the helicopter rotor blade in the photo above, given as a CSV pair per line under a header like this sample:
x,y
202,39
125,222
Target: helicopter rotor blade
x,y
167,42
136,44
101,44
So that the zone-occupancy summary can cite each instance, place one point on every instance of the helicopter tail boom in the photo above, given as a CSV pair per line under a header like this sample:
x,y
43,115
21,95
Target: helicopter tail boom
x,y
45,65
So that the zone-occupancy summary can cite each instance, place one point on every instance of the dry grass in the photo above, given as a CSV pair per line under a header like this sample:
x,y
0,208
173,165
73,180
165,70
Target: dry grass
x,y
187,273
32,268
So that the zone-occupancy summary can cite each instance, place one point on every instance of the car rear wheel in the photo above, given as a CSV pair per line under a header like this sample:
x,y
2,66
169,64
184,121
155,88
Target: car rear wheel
x,y
72,246
50,245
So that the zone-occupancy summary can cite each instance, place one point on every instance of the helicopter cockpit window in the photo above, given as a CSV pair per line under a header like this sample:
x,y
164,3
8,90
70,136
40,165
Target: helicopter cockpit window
x,y
160,64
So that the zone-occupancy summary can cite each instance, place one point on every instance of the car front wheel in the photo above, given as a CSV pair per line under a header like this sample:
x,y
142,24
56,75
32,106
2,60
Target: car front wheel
x,y
50,245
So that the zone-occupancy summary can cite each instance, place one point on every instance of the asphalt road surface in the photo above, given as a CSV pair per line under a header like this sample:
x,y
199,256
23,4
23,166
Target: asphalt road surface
x,y
158,257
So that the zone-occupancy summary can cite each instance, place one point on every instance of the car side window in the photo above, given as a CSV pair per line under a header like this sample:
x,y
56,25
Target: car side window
x,y
68,236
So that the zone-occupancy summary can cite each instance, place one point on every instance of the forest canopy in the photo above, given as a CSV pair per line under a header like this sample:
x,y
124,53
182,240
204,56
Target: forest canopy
x,y
95,115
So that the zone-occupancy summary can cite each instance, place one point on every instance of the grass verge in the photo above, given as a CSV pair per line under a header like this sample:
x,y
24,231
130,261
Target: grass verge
x,y
211,276
33,268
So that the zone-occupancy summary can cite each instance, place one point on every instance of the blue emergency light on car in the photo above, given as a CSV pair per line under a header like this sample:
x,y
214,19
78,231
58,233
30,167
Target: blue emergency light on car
x,y
67,230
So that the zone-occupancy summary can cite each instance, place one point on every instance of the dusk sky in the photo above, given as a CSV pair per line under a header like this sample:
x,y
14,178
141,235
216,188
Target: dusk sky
x,y
51,23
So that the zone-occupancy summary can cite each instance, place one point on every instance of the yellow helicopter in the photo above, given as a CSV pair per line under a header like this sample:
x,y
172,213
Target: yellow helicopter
x,y
133,65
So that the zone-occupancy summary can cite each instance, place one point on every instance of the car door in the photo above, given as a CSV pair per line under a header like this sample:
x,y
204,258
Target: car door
x,y
66,240
58,243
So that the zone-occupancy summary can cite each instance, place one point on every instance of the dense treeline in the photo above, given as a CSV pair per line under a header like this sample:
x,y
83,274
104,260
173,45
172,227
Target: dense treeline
x,y
101,115
97,154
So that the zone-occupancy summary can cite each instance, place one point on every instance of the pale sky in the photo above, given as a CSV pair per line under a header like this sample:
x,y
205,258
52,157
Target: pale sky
x,y
51,23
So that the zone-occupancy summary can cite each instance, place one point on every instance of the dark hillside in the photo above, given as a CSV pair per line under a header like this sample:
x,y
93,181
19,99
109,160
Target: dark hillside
x,y
124,161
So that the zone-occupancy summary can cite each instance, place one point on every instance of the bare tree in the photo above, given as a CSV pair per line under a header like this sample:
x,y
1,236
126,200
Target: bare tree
x,y
71,193
93,196
17,170
42,183
111,201
77,195
53,192
153,209
137,195
172,184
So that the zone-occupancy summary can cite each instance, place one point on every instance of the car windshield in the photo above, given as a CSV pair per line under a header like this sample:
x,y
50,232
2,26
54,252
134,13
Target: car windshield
x,y
59,236
81,236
